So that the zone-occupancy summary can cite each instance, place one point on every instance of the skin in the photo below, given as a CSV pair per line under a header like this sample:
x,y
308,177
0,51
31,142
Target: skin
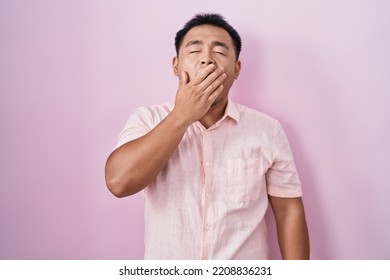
x,y
206,49
293,235
207,67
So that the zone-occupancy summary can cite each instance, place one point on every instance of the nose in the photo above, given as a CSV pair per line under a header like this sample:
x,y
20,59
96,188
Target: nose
x,y
207,61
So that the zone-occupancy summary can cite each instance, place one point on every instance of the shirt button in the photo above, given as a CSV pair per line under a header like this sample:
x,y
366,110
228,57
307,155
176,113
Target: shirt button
x,y
207,163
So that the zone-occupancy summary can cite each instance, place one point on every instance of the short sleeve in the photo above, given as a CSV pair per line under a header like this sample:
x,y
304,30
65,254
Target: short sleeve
x,y
282,177
138,124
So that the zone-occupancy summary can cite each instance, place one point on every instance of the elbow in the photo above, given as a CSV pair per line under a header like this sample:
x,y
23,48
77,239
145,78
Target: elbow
x,y
114,181
121,182
119,188
115,187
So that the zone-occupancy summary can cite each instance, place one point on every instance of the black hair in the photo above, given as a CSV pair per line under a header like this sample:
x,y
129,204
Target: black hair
x,y
211,19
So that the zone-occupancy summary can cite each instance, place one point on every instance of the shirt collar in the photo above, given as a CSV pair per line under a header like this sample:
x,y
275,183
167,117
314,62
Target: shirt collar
x,y
232,111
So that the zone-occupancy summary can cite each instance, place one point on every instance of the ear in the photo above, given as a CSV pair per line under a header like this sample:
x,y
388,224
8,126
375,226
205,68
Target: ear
x,y
175,62
237,69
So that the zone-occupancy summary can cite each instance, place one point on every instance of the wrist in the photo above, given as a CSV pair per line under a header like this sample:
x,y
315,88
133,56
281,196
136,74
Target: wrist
x,y
178,121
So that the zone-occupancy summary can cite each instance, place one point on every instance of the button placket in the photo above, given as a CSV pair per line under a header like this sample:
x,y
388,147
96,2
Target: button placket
x,y
206,229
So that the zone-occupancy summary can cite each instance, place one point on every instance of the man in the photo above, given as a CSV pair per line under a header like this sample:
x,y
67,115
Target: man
x,y
209,166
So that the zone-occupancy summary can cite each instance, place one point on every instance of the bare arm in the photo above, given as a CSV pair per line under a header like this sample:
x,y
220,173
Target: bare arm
x,y
291,226
131,167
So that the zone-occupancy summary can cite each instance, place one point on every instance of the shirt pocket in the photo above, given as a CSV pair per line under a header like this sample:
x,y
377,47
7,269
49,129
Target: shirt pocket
x,y
245,178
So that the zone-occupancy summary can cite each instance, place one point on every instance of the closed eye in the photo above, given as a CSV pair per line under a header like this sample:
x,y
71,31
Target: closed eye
x,y
220,53
194,52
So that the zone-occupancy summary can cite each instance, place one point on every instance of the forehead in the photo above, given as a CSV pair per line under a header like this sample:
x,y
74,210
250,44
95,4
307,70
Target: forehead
x,y
207,33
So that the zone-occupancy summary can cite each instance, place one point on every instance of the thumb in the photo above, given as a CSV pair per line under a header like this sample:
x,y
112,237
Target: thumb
x,y
183,78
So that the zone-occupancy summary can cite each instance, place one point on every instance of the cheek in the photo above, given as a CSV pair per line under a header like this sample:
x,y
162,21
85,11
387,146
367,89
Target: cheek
x,y
231,74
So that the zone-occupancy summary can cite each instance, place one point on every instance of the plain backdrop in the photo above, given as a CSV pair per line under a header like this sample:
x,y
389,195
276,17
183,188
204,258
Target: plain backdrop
x,y
71,72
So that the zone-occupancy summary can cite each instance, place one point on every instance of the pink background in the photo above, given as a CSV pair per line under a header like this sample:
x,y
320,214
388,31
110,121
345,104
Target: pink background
x,y
72,71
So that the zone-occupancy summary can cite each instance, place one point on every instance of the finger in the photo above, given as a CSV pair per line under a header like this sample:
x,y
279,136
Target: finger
x,y
215,94
212,77
183,78
204,73
211,83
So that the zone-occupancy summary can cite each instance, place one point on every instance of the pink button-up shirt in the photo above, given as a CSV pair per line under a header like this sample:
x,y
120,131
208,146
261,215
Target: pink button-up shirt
x,y
209,201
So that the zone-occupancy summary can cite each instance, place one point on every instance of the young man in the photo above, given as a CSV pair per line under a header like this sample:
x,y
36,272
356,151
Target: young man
x,y
209,166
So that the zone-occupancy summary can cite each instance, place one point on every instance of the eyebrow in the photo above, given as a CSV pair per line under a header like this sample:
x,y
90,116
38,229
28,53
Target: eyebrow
x,y
214,43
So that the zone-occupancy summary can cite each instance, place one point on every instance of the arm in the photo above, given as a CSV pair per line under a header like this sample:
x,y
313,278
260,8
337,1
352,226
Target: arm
x,y
291,227
131,167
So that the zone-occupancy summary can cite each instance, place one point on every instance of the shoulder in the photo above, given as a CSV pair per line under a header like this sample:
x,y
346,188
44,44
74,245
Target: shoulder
x,y
151,114
160,109
256,117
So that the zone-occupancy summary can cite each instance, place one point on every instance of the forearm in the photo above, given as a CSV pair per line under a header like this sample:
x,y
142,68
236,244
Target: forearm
x,y
131,167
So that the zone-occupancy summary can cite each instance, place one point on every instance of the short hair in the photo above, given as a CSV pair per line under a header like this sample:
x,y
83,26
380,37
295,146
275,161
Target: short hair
x,y
210,19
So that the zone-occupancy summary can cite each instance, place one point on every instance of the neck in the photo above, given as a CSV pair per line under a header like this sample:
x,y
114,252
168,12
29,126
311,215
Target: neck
x,y
214,114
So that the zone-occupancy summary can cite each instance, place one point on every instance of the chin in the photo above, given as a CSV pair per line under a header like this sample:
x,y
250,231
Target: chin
x,y
220,100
